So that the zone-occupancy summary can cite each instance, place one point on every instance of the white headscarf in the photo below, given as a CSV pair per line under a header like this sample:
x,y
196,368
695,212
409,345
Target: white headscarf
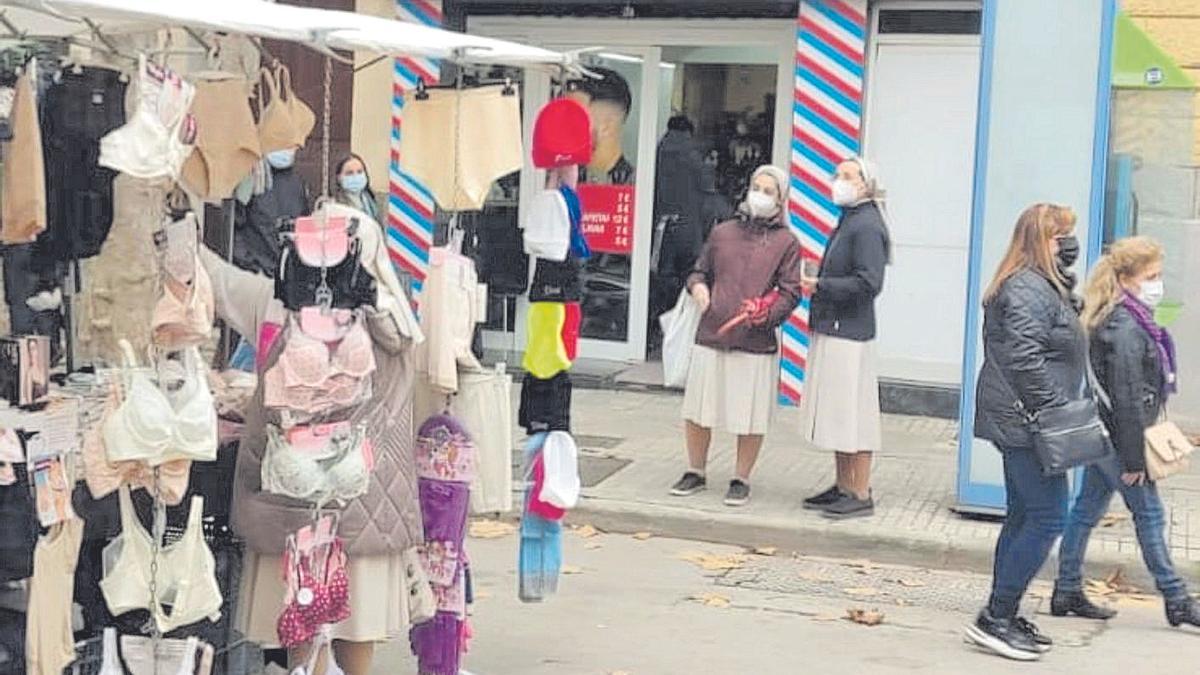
x,y
781,181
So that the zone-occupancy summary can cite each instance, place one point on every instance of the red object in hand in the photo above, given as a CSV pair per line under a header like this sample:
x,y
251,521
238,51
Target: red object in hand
x,y
753,310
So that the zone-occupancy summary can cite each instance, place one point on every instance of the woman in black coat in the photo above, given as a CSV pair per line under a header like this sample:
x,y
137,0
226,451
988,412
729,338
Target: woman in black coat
x,y
1034,359
1134,360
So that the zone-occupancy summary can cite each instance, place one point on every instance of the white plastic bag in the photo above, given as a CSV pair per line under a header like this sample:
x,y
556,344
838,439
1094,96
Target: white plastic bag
x,y
679,326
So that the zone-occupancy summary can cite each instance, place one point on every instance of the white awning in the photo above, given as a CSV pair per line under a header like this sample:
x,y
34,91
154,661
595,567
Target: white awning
x,y
320,28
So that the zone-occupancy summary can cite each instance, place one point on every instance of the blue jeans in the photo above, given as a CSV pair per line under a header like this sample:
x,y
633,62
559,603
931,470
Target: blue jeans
x,y
1037,514
1100,481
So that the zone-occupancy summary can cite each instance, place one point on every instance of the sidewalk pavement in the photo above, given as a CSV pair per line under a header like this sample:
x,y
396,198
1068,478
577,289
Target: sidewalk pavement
x,y
640,435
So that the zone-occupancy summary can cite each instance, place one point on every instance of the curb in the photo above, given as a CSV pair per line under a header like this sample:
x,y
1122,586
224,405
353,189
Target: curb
x,y
827,541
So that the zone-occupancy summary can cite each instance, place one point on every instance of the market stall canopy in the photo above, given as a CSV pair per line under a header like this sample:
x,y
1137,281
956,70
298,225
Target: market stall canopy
x,y
320,28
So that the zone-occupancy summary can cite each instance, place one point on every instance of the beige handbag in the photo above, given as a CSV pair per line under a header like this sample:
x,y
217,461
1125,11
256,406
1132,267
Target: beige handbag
x,y
1167,450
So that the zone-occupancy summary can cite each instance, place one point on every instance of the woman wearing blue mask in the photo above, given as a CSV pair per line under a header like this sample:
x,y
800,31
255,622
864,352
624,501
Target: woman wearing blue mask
x,y
354,186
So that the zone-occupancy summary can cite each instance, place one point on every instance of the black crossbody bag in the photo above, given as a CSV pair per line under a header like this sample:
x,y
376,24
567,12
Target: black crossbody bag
x,y
1070,435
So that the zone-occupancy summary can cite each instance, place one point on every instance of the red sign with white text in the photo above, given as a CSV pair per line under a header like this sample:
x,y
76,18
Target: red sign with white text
x,y
608,217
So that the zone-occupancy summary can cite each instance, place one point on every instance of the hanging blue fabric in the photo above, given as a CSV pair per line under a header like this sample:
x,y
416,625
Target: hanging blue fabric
x,y
579,245
539,562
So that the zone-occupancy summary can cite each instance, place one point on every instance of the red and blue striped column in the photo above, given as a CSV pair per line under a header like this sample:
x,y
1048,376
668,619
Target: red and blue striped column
x,y
411,207
826,127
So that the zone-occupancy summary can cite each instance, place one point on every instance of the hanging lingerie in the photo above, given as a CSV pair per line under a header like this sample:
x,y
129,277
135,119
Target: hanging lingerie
x,y
104,477
227,146
338,471
312,377
457,158
184,315
349,285
186,571
157,140
156,426
313,600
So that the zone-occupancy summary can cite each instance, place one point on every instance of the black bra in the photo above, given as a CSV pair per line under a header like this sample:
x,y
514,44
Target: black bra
x,y
298,285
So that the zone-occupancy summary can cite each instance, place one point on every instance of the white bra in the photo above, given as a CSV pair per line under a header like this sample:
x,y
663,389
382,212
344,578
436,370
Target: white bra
x,y
336,472
186,571
154,426
150,143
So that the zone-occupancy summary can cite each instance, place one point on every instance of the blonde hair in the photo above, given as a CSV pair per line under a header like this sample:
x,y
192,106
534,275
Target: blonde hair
x,y
1125,258
1038,225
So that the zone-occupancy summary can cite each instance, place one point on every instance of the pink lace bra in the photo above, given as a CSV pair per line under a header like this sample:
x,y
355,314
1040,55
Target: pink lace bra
x,y
311,376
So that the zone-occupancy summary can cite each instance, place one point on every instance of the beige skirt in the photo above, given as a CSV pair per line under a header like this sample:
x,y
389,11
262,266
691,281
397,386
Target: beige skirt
x,y
840,407
731,391
378,601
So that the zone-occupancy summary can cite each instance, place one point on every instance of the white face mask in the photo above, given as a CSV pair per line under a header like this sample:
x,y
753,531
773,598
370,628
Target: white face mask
x,y
845,193
1151,292
761,205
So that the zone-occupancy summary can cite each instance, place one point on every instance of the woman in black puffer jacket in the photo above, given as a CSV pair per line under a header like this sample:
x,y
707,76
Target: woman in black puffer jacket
x,y
1134,359
1035,353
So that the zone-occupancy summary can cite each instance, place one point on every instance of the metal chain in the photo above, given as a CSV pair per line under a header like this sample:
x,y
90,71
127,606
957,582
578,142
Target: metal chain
x,y
157,532
326,141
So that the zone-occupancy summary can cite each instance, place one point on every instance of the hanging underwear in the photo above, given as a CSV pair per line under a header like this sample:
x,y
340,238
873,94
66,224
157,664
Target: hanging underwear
x,y
184,322
227,146
157,139
313,601
336,472
545,404
104,477
310,376
297,284
458,142
545,353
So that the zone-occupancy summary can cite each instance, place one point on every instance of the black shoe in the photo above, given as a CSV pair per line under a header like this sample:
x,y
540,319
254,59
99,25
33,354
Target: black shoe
x,y
849,506
738,493
824,499
1040,639
1184,611
690,484
1003,637
1065,603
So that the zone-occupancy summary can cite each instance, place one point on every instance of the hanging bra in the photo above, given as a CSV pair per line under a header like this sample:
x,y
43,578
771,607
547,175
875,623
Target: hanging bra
x,y
178,323
186,571
104,477
152,144
156,427
312,602
338,472
311,377
348,282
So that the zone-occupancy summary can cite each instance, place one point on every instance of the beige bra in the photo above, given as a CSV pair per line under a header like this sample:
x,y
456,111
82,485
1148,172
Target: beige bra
x,y
184,315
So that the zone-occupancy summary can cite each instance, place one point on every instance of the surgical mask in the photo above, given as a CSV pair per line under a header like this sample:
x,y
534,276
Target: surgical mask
x,y
1151,292
845,193
282,159
353,183
1068,250
761,205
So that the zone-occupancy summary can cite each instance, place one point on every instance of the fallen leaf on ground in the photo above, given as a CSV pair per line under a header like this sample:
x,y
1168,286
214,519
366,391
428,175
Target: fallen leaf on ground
x,y
910,583
715,563
642,536
861,563
1119,583
901,602
491,529
865,617
713,600
1112,519
571,569
1096,587
765,550
593,545
827,617
586,531
861,592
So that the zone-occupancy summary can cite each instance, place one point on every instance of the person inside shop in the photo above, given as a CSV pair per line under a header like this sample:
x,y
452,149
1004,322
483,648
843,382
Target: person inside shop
x,y
255,236
677,202
354,186
609,100
746,283
840,408
714,206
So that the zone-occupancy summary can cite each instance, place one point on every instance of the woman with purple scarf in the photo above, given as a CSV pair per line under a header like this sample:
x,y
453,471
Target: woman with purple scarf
x,y
1134,360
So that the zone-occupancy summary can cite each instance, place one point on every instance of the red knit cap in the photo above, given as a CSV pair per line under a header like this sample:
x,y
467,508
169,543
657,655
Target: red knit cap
x,y
562,135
